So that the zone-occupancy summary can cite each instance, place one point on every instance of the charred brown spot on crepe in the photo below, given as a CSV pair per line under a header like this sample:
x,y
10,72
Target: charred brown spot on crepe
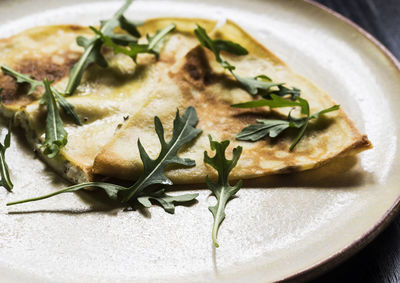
x,y
41,52
39,69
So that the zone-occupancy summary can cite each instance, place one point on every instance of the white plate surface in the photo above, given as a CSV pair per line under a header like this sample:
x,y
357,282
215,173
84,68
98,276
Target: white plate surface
x,y
277,227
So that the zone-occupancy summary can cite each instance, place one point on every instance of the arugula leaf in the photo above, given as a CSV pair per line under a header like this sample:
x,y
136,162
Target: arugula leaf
x,y
275,102
4,171
56,136
254,85
230,47
21,78
263,128
153,173
283,91
132,50
327,110
166,201
218,45
67,107
222,190
130,26
92,53
183,132
273,128
313,116
155,42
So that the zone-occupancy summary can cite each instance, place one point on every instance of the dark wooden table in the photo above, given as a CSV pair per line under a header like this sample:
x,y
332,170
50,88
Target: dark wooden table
x,y
380,260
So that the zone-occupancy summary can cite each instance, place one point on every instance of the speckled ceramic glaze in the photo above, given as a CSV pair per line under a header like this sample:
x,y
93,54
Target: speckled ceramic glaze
x,y
289,226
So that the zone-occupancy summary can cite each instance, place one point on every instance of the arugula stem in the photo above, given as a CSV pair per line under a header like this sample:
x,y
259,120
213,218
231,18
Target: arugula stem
x,y
71,189
300,135
39,198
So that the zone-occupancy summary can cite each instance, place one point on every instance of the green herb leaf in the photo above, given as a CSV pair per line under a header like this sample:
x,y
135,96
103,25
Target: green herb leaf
x,y
56,136
222,190
130,26
21,78
218,45
92,53
283,91
132,50
307,120
262,129
153,173
254,85
273,128
4,171
327,110
155,42
166,201
68,108
275,102
111,190
230,47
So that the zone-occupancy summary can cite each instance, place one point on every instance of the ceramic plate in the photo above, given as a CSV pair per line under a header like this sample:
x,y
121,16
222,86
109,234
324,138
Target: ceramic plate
x,y
291,226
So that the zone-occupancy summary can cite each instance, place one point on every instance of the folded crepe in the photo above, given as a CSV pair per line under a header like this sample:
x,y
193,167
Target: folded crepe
x,y
117,104
198,80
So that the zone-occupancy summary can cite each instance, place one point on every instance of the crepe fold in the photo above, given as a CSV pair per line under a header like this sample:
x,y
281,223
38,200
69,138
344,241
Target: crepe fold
x,y
117,104
199,81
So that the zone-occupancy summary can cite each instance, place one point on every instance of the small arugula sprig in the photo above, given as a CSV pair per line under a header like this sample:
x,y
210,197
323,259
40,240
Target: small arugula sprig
x,y
4,171
55,134
153,45
183,132
153,172
67,107
274,127
92,53
261,84
21,78
275,95
221,189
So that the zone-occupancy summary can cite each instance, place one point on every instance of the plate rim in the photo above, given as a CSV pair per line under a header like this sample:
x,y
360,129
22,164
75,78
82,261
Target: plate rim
x,y
357,245
338,257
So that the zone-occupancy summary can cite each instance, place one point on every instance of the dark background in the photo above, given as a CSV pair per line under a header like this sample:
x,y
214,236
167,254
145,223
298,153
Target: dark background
x,y
380,260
